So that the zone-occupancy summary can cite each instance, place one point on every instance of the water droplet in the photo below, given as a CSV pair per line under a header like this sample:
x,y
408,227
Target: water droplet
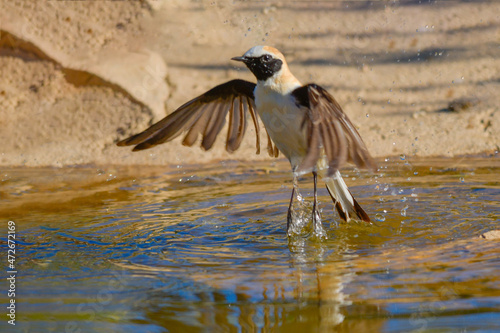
x,y
403,211
379,217
402,157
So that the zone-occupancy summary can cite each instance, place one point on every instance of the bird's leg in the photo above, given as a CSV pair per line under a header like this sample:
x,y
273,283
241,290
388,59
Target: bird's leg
x,y
315,202
289,216
290,207
316,217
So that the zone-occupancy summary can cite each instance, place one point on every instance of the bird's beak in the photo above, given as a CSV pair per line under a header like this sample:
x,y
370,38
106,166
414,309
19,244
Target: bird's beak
x,y
243,59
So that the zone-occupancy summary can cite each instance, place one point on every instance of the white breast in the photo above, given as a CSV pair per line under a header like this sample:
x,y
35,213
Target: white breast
x,y
283,121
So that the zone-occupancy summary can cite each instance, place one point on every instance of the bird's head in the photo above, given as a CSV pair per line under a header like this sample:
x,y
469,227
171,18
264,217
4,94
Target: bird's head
x,y
263,61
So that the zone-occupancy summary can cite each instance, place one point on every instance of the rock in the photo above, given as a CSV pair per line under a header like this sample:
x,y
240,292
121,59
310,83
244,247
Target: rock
x,y
493,234
48,121
93,37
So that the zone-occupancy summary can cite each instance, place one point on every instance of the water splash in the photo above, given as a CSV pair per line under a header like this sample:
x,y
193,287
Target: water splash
x,y
301,223
403,211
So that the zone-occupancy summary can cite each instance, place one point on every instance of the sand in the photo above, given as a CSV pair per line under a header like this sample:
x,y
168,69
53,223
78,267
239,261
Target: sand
x,y
416,79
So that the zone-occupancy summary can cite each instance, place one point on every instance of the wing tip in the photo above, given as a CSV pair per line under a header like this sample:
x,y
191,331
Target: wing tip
x,y
369,163
130,141
127,142
122,143
143,146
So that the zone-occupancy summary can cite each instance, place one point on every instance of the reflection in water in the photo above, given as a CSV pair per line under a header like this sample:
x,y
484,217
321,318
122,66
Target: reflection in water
x,y
307,295
192,250
304,295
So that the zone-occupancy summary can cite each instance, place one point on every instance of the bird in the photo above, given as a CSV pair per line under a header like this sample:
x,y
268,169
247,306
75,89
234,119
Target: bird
x,y
303,122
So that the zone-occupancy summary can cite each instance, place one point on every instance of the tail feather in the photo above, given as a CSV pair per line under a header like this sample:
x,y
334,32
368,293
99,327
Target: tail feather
x,y
347,207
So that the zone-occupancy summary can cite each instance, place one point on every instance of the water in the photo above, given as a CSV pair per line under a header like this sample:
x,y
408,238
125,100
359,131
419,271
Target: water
x,y
201,249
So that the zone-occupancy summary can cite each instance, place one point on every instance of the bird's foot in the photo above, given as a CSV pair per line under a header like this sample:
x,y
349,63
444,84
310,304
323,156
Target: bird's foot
x,y
318,230
298,221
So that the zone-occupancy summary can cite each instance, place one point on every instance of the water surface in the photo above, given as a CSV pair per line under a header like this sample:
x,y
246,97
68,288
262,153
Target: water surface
x,y
204,248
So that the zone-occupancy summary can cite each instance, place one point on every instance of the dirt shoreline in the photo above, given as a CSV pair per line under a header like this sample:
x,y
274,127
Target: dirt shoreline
x,y
417,80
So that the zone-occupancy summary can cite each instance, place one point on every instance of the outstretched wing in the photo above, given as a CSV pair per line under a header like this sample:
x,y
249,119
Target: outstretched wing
x,y
328,128
206,115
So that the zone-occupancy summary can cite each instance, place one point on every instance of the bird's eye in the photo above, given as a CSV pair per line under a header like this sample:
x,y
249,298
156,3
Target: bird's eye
x,y
266,57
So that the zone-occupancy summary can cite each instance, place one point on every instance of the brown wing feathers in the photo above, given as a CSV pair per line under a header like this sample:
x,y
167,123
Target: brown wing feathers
x,y
199,122
329,128
256,124
214,126
234,126
206,115
313,139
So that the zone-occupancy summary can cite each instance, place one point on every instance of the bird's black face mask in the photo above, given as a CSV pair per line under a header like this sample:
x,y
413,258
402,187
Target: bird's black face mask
x,y
264,66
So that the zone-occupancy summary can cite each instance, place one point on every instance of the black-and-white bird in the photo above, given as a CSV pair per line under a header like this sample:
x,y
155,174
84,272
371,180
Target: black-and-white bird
x,y
303,122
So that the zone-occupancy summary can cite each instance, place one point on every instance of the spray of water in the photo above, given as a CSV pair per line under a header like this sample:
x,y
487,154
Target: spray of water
x,y
302,219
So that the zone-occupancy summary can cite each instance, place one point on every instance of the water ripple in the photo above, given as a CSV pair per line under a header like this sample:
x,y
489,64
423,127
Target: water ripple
x,y
156,252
